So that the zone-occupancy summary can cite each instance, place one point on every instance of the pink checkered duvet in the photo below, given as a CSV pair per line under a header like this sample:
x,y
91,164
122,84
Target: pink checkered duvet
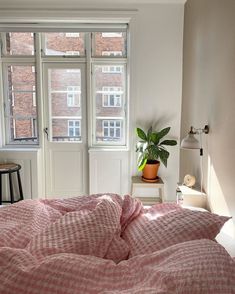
x,y
75,246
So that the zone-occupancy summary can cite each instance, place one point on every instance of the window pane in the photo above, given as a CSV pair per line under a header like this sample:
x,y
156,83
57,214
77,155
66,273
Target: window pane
x,y
109,131
109,44
22,104
64,44
20,43
109,97
64,118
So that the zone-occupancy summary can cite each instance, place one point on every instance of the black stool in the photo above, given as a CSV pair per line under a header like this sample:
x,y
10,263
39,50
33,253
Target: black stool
x,y
9,168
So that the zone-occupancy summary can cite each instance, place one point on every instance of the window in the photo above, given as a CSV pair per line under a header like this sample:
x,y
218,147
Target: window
x,y
112,96
34,127
34,96
72,53
111,69
111,129
109,44
55,53
111,35
73,96
72,35
18,44
74,128
22,107
111,53
110,105
57,44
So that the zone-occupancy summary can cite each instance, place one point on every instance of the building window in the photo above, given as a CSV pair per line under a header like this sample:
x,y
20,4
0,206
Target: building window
x,y
111,53
34,96
72,35
72,53
112,35
74,129
112,96
111,129
34,127
111,69
73,96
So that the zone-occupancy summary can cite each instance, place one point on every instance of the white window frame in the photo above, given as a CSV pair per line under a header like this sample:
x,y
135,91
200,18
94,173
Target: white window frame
x,y
108,92
72,91
39,60
114,127
74,127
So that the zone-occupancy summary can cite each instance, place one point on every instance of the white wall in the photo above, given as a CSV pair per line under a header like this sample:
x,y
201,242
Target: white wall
x,y
155,74
208,97
157,80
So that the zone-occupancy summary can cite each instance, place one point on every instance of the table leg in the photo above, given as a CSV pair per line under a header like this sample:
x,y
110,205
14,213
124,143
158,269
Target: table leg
x,y
20,186
11,189
161,193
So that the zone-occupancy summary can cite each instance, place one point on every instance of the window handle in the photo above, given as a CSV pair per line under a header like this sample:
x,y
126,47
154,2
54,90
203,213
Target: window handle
x,y
46,132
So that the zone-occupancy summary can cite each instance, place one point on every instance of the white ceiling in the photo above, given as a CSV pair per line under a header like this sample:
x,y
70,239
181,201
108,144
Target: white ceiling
x,y
69,4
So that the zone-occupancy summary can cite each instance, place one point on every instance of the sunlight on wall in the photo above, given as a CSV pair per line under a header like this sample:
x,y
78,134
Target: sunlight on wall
x,y
216,199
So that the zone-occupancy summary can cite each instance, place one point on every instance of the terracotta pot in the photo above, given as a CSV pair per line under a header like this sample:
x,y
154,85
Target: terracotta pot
x,y
150,170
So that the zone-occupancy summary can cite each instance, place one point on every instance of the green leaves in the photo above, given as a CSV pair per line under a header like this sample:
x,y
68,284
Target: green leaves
x,y
151,148
141,134
169,142
164,154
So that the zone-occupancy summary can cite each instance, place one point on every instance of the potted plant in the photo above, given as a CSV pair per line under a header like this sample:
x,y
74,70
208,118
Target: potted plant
x,y
151,151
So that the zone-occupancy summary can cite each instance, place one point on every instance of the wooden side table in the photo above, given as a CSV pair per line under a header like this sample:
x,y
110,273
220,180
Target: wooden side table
x,y
137,182
9,168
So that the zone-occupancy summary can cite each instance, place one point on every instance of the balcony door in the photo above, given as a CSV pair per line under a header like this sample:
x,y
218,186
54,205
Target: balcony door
x,y
65,133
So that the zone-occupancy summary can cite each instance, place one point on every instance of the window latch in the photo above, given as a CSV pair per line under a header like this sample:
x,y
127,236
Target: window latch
x,y
46,132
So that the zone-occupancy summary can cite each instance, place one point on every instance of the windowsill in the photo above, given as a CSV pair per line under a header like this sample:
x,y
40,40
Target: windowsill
x,y
20,149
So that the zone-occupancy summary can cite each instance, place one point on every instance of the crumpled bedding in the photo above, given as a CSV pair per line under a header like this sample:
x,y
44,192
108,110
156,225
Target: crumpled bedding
x,y
75,246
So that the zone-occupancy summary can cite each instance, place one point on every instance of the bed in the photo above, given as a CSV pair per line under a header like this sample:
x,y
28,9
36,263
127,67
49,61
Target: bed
x,y
106,243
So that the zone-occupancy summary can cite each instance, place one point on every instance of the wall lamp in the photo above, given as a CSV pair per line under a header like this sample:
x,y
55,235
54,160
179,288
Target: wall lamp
x,y
190,142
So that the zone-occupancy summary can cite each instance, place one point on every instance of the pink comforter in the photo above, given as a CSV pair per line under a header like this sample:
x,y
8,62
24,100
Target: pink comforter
x,y
75,246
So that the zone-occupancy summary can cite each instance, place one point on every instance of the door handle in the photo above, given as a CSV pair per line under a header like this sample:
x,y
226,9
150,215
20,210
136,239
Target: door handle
x,y
46,132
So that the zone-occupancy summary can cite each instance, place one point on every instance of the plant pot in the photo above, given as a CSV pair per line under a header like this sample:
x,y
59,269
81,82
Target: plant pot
x,y
150,170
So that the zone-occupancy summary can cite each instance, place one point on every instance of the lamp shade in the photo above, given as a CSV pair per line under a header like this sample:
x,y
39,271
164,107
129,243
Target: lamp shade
x,y
190,142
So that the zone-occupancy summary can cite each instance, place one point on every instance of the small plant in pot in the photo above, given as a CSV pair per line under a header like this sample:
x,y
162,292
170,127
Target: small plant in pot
x,y
151,151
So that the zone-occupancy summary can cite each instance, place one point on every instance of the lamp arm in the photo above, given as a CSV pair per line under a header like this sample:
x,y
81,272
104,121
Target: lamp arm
x,y
199,131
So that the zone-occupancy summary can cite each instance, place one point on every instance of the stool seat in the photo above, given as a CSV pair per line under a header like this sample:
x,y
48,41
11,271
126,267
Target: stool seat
x,y
9,168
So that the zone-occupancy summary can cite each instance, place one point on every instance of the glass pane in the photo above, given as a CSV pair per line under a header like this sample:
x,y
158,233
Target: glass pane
x,y
22,103
109,44
109,95
64,44
20,43
112,133
24,129
64,114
